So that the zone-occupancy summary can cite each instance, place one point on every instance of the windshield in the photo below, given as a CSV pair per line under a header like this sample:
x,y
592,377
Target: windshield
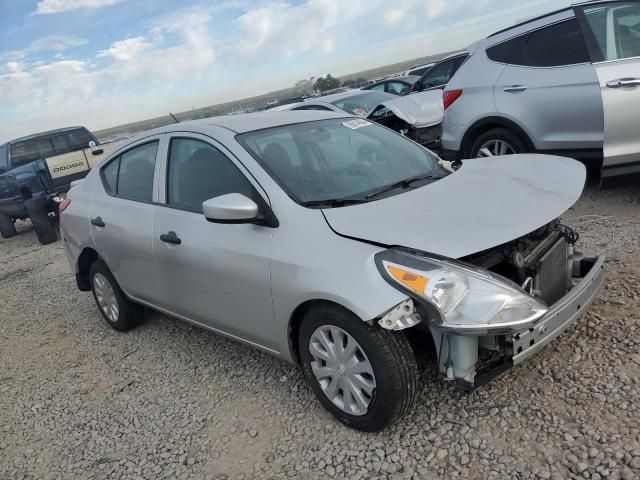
x,y
338,159
363,103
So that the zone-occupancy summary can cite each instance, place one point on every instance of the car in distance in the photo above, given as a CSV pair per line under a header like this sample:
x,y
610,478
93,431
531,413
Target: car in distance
x,y
396,85
36,171
321,238
566,83
418,117
437,77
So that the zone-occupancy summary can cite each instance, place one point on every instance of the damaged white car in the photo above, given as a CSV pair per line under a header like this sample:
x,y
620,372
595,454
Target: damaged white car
x,y
418,116
330,241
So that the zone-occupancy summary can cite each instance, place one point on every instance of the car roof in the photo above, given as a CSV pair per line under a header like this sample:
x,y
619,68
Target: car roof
x,y
42,134
549,14
249,122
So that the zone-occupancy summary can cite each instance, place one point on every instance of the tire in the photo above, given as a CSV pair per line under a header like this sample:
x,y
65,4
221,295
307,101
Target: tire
x,y
507,137
7,227
42,224
107,293
388,355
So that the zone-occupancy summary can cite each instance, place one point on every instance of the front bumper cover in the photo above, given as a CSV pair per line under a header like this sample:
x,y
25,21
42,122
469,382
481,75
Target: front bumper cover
x,y
561,315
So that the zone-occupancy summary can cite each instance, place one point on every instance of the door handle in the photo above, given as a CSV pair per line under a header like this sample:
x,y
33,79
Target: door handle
x,y
515,88
171,237
624,82
98,222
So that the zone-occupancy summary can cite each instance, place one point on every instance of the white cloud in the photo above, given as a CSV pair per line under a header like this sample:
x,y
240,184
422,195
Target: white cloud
x,y
56,42
125,50
56,6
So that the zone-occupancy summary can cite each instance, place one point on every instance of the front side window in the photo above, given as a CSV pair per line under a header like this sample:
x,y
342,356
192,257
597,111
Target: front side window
x,y
615,28
397,88
378,88
131,174
337,159
197,172
362,104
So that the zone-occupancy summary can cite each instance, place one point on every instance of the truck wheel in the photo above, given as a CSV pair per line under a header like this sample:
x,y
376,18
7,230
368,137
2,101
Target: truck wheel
x,y
42,224
364,375
120,313
7,227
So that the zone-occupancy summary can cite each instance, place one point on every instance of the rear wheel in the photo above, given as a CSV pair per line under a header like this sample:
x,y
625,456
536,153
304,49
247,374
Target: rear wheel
x,y
497,142
119,312
364,375
42,223
7,227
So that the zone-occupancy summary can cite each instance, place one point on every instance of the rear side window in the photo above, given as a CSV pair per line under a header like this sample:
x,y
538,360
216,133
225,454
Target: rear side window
x,y
553,46
131,174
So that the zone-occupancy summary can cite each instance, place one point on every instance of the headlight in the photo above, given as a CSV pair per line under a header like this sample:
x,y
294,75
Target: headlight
x,y
469,300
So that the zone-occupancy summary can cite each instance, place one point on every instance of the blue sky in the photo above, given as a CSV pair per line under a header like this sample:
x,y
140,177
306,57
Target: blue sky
x,y
100,63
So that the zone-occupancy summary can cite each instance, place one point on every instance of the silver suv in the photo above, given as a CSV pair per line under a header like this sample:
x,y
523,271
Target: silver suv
x,y
567,83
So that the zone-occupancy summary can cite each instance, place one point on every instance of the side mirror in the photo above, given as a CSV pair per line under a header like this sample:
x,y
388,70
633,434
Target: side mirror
x,y
230,208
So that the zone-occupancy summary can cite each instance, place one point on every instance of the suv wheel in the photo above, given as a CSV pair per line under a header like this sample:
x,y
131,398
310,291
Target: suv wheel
x,y
7,227
364,375
120,313
496,142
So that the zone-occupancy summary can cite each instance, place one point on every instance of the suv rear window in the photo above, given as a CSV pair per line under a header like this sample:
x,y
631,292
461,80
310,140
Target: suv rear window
x,y
553,46
49,145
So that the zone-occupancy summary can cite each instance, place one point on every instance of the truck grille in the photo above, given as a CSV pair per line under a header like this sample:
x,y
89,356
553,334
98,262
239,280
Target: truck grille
x,y
552,278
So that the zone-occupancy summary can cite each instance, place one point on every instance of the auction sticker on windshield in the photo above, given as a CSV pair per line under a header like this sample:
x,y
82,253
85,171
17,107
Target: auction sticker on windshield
x,y
356,124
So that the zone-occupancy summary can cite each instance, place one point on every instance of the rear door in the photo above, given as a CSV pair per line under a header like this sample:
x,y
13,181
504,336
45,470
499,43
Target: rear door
x,y
121,217
549,86
612,31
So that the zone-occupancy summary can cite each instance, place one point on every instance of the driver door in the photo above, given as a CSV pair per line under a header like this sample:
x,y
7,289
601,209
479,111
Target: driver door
x,y
210,273
612,31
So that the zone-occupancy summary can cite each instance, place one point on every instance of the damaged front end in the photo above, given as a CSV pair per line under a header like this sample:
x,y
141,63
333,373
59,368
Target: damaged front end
x,y
494,309
418,116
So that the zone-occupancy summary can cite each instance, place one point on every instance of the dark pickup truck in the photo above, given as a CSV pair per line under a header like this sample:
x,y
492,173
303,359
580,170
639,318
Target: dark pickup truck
x,y
35,173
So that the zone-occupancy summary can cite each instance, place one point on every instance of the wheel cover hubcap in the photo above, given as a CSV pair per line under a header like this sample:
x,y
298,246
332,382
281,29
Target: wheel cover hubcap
x,y
342,369
493,148
106,297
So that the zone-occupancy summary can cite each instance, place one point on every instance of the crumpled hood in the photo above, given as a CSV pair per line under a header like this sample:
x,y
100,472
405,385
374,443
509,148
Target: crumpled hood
x,y
424,109
486,203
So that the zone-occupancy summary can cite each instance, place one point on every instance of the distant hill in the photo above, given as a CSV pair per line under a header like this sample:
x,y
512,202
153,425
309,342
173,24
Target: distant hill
x,y
227,107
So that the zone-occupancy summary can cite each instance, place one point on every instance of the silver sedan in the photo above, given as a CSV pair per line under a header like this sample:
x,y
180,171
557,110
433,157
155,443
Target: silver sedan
x,y
335,244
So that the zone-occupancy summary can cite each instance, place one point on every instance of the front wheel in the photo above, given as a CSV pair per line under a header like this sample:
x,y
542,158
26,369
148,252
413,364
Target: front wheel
x,y
364,375
497,142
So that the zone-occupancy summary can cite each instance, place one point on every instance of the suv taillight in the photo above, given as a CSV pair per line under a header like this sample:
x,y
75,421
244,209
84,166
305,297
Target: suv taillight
x,y
63,205
449,97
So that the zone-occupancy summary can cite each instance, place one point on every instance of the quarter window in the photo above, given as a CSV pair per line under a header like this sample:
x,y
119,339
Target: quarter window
x,y
131,174
615,28
198,172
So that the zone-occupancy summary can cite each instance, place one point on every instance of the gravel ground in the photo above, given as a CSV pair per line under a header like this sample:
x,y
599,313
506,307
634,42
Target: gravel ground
x,y
81,401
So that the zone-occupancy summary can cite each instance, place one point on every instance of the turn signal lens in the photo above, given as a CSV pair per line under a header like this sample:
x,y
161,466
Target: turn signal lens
x,y
415,282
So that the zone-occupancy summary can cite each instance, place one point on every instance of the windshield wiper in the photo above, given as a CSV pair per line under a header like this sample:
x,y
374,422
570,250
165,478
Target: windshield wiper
x,y
331,203
404,184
